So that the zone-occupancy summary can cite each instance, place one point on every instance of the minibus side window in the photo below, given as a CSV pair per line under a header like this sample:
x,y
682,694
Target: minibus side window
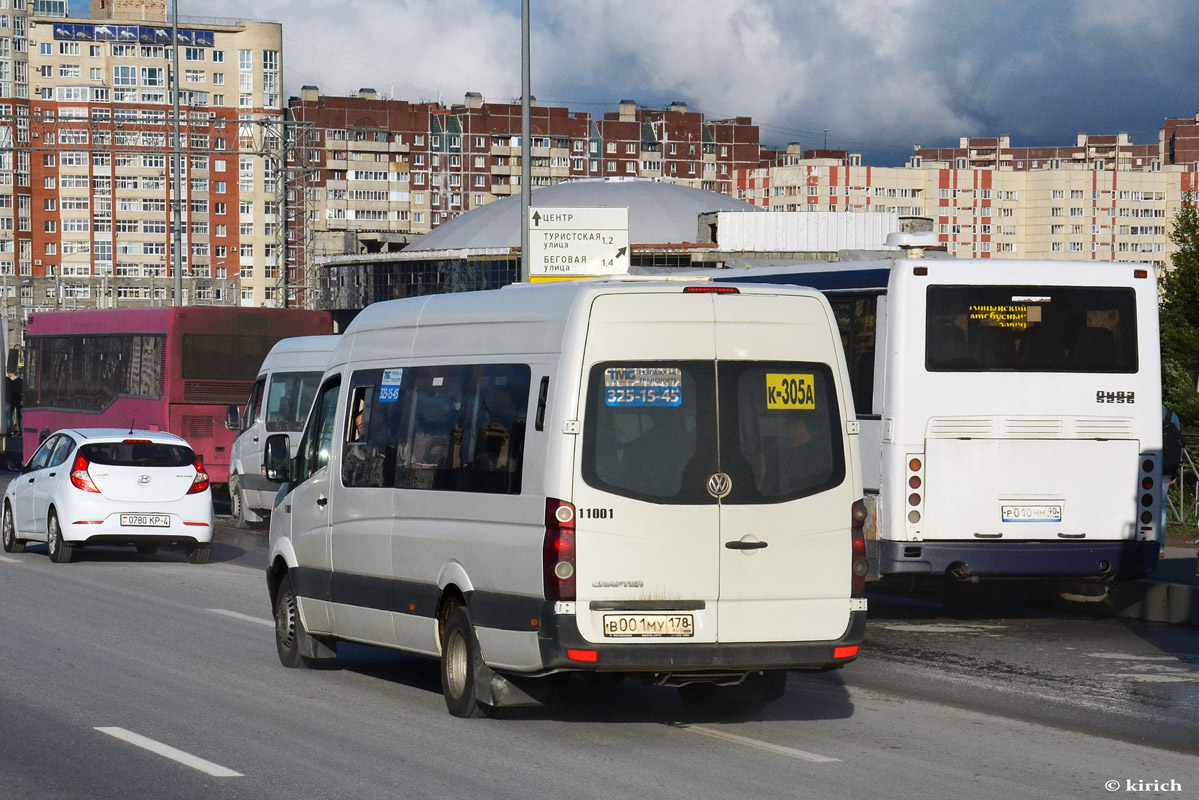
x,y
369,455
253,404
317,441
461,428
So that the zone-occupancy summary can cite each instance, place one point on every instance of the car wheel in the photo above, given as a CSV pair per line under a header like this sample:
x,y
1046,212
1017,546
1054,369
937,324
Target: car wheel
x,y
199,553
9,533
237,503
60,551
459,660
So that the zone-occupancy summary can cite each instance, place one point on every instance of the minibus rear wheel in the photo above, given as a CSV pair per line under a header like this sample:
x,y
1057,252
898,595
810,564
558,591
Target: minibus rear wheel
x,y
460,660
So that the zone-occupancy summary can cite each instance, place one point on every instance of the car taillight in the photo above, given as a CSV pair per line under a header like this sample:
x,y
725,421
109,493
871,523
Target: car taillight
x,y
80,478
200,482
859,565
558,554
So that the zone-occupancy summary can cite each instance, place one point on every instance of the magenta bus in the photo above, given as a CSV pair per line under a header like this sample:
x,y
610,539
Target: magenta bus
x,y
171,368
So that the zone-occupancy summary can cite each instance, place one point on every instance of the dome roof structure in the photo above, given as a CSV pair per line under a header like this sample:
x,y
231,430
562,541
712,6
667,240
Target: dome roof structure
x,y
661,214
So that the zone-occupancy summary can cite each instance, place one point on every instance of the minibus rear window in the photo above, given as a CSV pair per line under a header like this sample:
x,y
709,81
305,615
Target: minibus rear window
x,y
1076,329
652,430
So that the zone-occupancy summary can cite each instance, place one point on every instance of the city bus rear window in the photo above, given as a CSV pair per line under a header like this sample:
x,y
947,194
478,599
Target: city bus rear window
x,y
1031,329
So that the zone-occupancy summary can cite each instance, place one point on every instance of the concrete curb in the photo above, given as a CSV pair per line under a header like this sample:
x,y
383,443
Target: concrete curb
x,y
1150,601
1171,596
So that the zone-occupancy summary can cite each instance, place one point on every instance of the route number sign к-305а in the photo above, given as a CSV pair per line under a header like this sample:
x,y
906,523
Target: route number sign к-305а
x,y
577,242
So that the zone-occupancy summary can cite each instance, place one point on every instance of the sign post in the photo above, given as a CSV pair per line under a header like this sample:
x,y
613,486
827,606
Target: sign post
x,y
577,242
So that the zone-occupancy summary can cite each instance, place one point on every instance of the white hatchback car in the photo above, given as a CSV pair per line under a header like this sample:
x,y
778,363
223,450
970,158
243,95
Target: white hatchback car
x,y
91,486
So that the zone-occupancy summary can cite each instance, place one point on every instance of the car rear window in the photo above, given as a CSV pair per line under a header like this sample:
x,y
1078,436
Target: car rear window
x,y
138,454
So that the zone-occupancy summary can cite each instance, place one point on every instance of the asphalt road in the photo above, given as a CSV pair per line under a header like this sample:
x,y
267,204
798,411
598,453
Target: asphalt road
x,y
147,677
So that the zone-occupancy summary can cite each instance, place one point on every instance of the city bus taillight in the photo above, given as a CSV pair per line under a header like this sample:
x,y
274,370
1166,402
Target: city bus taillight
x,y
80,478
1150,500
558,552
200,482
859,565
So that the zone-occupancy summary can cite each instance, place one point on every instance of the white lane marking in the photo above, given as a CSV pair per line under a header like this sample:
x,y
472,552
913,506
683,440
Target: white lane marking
x,y
1131,657
187,759
8,560
790,752
941,627
243,617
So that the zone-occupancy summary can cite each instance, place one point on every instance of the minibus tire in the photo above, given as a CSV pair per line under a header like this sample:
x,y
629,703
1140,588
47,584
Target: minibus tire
x,y
290,636
12,544
237,503
460,661
60,552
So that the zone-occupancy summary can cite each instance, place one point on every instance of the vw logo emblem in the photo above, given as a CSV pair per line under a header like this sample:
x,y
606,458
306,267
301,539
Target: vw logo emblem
x,y
143,480
719,485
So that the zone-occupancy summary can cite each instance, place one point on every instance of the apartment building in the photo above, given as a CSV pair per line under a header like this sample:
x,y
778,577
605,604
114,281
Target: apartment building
x,y
1099,152
87,187
1059,209
377,172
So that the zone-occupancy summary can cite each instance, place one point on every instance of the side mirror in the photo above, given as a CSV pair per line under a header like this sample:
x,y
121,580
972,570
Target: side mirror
x,y
276,460
233,418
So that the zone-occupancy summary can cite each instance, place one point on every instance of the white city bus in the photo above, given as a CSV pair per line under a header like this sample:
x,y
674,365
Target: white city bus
x,y
1009,410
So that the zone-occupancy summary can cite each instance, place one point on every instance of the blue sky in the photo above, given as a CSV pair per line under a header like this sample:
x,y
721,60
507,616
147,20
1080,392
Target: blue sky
x,y
878,75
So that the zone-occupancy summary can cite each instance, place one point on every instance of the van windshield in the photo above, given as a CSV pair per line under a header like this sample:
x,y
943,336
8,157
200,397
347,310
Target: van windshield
x,y
289,399
651,430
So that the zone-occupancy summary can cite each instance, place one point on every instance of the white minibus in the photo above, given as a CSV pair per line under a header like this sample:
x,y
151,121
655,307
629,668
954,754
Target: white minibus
x,y
1010,411
639,478
278,403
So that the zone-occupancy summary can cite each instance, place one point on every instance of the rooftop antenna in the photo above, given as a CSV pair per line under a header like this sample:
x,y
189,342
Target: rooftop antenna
x,y
131,423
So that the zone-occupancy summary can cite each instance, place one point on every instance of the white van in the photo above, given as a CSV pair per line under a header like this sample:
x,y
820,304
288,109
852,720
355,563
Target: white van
x,y
278,403
655,479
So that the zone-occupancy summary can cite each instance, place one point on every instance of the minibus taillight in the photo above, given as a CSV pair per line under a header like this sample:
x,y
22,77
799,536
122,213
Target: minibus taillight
x,y
859,564
200,482
80,478
558,554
